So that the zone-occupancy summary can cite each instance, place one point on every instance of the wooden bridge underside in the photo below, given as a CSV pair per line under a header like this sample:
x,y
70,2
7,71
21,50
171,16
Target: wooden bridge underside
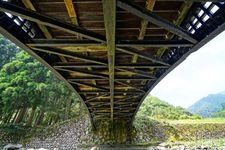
x,y
112,53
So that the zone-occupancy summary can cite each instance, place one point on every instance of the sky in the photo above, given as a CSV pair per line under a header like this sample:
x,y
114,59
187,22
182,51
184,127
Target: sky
x,y
201,74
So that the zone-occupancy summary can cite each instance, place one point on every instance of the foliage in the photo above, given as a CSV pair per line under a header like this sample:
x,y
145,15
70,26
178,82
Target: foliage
x,y
8,51
158,109
208,105
29,93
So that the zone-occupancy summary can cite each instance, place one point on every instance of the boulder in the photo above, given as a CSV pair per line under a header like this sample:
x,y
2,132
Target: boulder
x,y
13,147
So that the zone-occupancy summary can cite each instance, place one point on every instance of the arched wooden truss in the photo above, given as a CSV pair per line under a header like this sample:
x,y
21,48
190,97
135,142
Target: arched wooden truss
x,y
112,53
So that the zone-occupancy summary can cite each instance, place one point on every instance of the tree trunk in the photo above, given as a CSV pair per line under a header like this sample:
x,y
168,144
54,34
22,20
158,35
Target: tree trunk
x,y
21,114
68,104
40,118
10,116
14,118
50,121
30,120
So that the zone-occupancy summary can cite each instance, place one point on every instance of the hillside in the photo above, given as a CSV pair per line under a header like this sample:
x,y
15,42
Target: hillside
x,y
207,106
159,109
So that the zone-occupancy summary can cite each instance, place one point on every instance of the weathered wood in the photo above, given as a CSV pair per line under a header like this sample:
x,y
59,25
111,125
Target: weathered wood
x,y
109,10
119,43
87,72
61,42
138,72
28,4
49,21
154,43
77,65
144,24
151,17
90,85
85,65
96,97
186,6
133,51
71,11
129,85
140,66
69,54
86,78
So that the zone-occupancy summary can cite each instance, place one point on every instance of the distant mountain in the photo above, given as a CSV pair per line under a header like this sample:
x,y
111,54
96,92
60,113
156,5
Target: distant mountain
x,y
207,106
158,109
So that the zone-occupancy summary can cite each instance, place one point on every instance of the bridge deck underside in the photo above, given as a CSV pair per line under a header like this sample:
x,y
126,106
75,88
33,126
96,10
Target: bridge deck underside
x,y
112,53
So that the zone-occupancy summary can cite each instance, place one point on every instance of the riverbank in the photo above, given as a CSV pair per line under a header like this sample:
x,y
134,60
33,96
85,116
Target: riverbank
x,y
145,133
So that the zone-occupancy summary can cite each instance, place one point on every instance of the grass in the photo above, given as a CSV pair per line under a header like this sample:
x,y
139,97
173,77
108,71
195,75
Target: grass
x,y
197,121
206,142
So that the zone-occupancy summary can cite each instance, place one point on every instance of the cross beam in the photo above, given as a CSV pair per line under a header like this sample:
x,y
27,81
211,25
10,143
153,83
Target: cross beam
x,y
119,43
68,54
49,21
151,17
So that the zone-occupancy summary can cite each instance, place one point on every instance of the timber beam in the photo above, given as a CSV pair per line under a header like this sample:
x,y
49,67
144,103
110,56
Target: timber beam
x,y
109,11
138,72
77,65
85,65
132,86
49,21
144,55
89,85
69,54
151,17
87,72
119,43
96,97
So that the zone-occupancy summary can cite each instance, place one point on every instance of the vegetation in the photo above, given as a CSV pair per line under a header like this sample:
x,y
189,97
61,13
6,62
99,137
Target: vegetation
x,y
158,109
29,94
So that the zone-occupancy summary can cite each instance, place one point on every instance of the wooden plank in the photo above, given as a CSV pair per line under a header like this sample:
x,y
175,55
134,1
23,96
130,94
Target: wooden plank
x,y
90,85
129,85
119,43
69,54
183,11
133,51
141,66
109,11
87,72
71,11
49,21
73,17
154,43
122,78
138,72
94,65
144,24
43,28
28,4
61,42
151,17
77,65
86,78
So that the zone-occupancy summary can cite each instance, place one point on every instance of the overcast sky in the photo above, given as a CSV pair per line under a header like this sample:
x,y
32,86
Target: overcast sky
x,y
202,73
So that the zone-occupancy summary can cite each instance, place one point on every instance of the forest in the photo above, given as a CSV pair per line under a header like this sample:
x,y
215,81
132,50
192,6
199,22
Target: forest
x,y
30,95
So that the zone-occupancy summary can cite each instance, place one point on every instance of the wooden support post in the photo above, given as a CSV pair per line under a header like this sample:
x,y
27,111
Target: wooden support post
x,y
109,10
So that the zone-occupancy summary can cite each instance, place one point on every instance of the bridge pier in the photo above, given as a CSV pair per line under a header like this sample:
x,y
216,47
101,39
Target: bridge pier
x,y
117,132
